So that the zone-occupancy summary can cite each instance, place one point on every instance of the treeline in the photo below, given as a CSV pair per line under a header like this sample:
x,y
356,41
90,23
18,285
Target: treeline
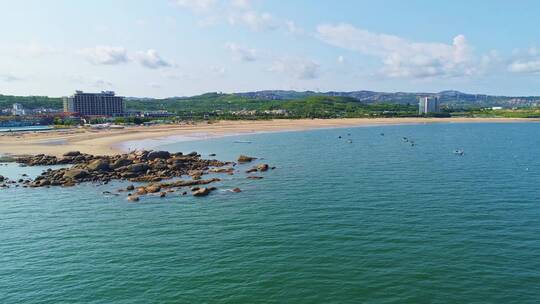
x,y
229,106
31,102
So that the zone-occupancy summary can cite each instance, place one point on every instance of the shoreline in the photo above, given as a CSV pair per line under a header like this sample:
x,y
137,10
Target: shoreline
x,y
109,142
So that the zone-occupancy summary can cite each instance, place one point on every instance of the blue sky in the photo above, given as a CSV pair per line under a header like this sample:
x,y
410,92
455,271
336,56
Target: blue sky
x,y
164,48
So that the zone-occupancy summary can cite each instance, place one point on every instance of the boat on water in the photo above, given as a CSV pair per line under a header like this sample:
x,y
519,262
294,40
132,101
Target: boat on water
x,y
459,152
242,142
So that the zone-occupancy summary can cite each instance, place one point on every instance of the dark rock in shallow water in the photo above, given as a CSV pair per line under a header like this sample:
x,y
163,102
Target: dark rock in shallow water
x,y
75,174
72,153
2,178
133,198
251,170
122,162
158,154
262,167
153,189
99,165
203,191
245,159
138,168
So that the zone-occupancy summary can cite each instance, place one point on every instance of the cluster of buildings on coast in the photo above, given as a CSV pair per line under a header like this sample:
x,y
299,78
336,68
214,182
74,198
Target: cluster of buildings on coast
x,y
81,107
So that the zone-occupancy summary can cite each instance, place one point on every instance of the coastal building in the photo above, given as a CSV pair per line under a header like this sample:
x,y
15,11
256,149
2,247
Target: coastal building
x,y
428,105
18,110
105,103
157,114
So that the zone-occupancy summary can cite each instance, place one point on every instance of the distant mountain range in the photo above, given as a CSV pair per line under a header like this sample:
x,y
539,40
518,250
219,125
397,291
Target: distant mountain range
x,y
450,97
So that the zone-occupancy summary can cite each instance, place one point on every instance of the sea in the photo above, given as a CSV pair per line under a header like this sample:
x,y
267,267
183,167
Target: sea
x,y
374,214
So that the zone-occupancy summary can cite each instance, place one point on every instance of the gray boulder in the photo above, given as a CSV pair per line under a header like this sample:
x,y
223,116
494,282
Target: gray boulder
x,y
76,174
98,165
72,153
138,168
158,154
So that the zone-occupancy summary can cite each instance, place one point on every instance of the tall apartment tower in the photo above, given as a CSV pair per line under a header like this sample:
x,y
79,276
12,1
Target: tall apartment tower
x,y
428,105
94,104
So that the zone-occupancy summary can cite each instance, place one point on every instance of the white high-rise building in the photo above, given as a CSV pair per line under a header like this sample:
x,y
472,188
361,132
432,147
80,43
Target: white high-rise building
x,y
428,105
18,110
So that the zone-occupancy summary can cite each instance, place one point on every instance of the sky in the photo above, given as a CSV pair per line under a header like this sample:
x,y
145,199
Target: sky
x,y
163,48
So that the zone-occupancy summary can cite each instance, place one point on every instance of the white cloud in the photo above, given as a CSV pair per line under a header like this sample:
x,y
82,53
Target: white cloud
x,y
295,67
106,55
293,28
531,66
35,50
241,4
9,78
242,53
197,6
525,61
218,70
401,57
152,60
101,83
255,21
92,82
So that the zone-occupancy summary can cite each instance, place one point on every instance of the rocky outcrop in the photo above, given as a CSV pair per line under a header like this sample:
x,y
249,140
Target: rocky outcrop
x,y
75,174
245,159
203,191
72,153
139,166
258,168
262,167
159,169
158,154
99,165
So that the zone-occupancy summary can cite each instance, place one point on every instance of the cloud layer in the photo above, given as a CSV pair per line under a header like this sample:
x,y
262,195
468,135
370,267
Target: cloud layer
x,y
152,60
400,57
105,55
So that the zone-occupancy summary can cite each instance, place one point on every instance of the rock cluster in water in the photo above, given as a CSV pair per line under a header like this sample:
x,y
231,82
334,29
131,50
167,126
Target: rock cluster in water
x,y
150,167
138,166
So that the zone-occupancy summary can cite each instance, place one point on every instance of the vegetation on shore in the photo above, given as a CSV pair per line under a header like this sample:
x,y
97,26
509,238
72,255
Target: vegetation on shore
x,y
241,106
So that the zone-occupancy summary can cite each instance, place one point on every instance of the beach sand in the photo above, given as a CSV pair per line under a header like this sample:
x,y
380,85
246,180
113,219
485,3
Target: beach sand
x,y
107,142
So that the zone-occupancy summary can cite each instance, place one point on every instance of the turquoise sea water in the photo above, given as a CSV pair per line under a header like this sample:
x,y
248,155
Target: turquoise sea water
x,y
372,221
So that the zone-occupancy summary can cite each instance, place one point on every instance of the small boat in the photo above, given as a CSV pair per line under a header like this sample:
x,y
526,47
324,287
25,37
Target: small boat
x,y
242,142
349,141
405,139
459,152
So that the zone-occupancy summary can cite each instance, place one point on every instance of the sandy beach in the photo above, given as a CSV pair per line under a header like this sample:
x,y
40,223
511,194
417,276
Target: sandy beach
x,y
107,142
